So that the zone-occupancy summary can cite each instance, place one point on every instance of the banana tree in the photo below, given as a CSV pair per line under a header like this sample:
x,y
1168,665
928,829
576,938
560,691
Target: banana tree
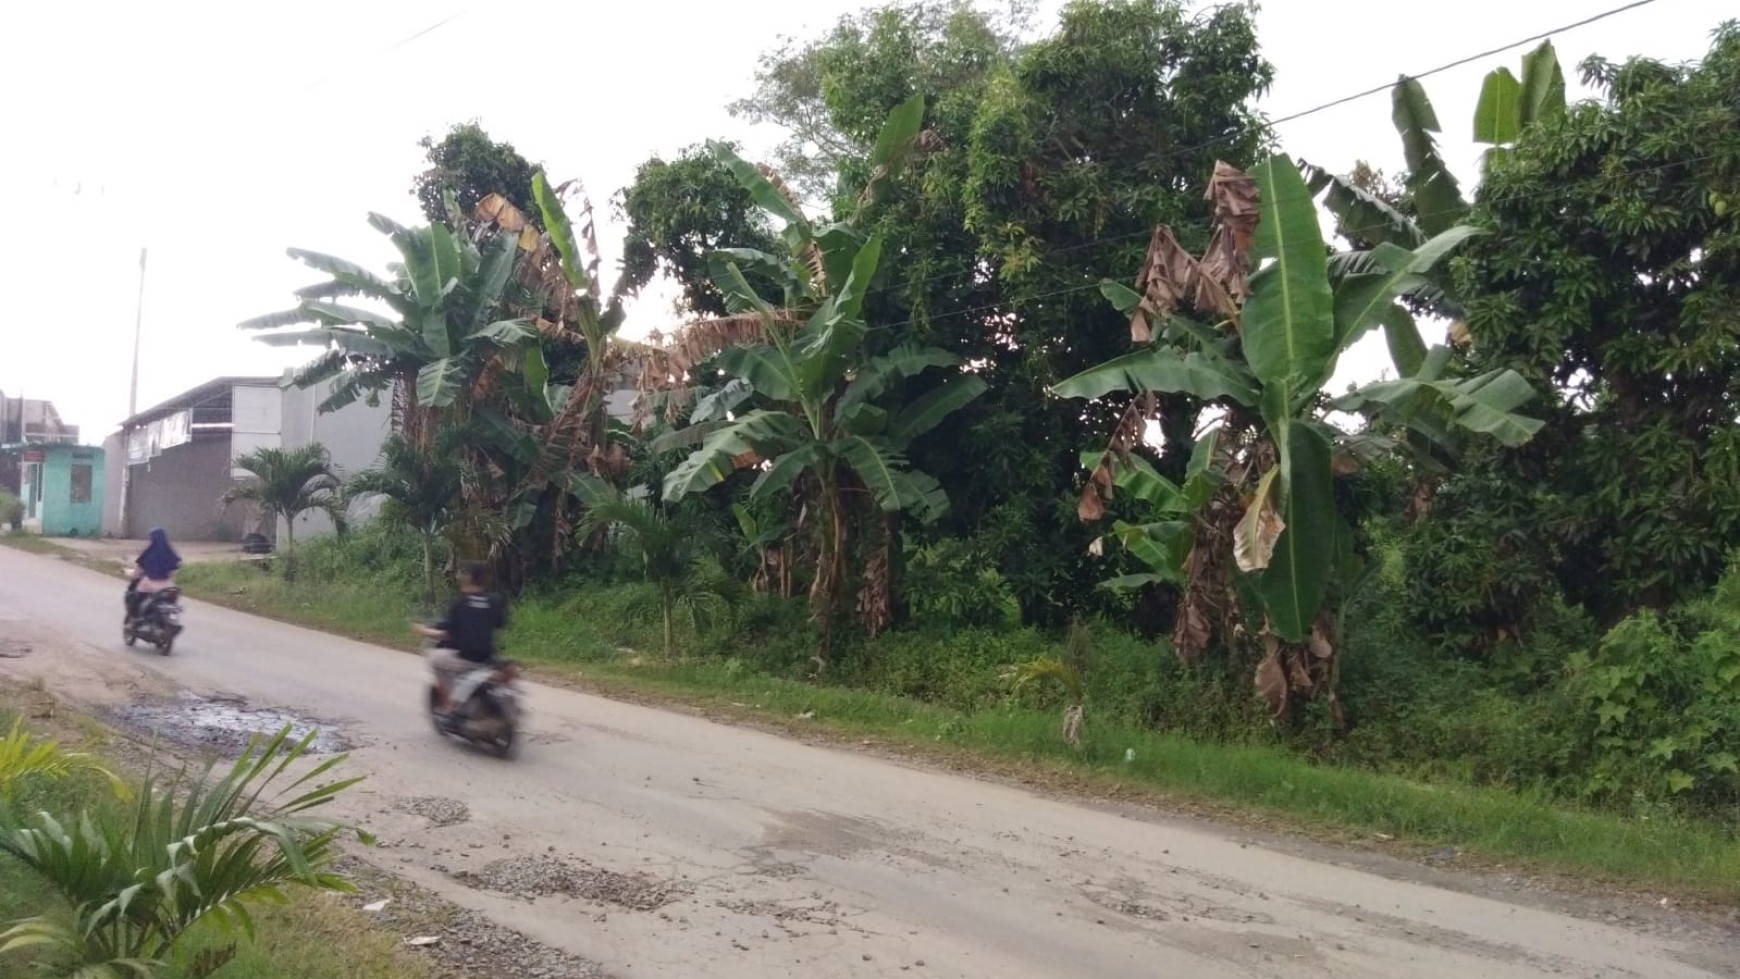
x,y
1434,200
1253,534
830,425
543,433
828,419
435,337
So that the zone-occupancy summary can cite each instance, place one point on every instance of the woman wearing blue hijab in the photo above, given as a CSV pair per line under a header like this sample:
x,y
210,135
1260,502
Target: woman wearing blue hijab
x,y
153,571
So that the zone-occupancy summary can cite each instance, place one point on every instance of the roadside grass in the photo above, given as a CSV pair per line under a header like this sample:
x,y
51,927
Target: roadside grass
x,y
567,642
314,936
34,544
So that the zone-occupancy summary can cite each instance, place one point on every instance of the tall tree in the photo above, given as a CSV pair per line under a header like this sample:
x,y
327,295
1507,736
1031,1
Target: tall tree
x,y
998,241
1611,274
470,166
829,94
678,213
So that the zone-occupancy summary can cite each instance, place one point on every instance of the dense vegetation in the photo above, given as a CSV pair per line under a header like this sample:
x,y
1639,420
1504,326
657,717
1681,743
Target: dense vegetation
x,y
1014,397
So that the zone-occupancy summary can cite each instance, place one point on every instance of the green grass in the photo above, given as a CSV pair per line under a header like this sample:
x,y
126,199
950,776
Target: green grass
x,y
1692,857
33,544
315,936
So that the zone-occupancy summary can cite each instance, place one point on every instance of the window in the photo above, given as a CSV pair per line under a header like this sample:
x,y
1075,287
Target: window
x,y
81,484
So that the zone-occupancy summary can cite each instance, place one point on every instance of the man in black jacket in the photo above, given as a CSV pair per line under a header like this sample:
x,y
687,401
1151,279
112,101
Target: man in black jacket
x,y
466,637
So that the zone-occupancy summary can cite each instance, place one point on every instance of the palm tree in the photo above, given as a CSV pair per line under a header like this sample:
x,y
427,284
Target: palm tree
x,y
421,489
288,483
189,854
670,543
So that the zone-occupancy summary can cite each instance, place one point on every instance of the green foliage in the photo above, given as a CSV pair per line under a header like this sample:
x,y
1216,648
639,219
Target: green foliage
x,y
11,508
1661,702
678,214
670,543
191,856
1293,548
422,489
1608,276
287,483
439,336
947,581
23,758
467,166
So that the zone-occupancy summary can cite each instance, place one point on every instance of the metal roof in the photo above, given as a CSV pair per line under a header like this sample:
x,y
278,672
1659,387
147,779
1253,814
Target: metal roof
x,y
194,396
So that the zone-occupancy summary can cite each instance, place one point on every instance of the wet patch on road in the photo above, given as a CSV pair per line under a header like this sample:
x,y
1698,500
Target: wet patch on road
x,y
223,725
14,649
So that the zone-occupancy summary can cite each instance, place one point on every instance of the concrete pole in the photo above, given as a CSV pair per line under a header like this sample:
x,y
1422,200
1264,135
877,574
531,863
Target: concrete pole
x,y
138,329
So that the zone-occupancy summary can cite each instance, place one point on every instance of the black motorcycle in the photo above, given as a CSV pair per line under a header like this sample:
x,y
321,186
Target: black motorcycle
x,y
158,620
486,711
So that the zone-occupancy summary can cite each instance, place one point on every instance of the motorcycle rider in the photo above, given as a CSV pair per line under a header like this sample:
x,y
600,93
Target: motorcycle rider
x,y
466,637
153,571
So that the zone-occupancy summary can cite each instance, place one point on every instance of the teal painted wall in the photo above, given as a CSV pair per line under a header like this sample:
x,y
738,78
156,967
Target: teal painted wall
x,y
61,517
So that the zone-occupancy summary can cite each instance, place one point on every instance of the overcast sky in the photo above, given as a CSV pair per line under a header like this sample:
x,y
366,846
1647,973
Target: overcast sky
x,y
219,134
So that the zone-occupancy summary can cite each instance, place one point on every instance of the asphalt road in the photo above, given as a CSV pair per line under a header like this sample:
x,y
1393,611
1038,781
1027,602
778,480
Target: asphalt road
x,y
785,859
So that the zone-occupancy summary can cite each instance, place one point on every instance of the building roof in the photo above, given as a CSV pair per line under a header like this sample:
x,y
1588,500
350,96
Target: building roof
x,y
194,396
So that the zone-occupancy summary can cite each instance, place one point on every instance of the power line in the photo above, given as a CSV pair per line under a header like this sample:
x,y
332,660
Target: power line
x,y
1365,93
401,42
1459,62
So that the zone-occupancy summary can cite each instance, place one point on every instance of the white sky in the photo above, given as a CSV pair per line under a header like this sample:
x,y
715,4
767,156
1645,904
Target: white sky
x,y
217,137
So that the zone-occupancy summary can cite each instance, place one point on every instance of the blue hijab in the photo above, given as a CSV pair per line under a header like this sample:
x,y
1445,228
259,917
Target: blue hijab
x,y
159,560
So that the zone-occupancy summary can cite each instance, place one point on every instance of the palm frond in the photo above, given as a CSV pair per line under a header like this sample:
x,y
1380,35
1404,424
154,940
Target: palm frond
x,y
191,853
23,757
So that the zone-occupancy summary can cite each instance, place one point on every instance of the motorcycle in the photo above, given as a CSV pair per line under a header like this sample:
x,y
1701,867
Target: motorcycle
x,y
158,621
486,711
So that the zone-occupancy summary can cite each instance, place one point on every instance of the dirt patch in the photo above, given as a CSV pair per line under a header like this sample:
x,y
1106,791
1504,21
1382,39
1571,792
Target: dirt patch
x,y
439,811
224,726
547,876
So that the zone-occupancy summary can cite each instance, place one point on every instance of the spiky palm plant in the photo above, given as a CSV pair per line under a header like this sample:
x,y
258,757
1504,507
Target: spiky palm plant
x,y
23,757
189,854
670,543
422,489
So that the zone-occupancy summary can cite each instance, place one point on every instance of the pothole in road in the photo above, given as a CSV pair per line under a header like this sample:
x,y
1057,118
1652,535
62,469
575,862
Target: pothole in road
x,y
531,877
222,725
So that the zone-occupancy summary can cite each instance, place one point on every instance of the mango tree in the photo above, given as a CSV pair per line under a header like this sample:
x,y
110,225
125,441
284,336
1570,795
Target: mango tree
x,y
1253,535
826,419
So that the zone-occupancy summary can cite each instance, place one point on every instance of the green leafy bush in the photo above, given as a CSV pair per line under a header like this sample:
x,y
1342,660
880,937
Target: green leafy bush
x,y
947,582
376,551
1662,702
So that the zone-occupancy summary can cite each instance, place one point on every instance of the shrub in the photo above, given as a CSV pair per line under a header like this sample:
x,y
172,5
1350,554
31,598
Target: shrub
x,y
1661,699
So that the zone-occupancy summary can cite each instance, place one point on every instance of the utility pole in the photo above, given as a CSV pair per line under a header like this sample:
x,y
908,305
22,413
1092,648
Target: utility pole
x,y
138,328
